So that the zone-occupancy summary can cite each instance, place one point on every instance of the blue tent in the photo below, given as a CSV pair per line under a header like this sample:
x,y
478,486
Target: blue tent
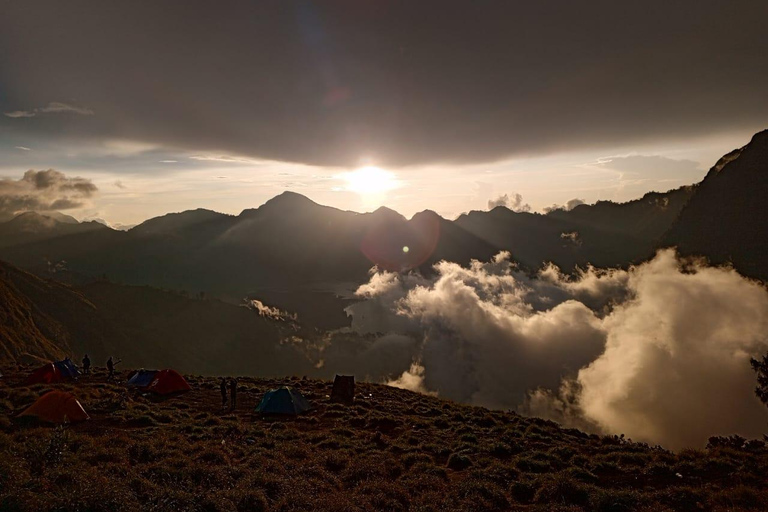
x,y
283,400
67,368
142,378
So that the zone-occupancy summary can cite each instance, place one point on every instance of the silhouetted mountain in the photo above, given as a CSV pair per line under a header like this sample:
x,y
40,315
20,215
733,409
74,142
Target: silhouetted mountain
x,y
31,226
174,222
297,255
726,219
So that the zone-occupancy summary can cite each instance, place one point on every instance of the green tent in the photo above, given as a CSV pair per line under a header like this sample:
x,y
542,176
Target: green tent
x,y
283,400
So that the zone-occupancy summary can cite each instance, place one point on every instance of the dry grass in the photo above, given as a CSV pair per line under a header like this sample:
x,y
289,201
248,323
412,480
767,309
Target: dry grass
x,y
393,450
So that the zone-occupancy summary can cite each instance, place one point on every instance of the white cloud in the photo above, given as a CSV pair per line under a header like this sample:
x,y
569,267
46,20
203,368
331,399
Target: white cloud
x,y
659,352
568,206
19,113
412,379
514,202
53,107
225,159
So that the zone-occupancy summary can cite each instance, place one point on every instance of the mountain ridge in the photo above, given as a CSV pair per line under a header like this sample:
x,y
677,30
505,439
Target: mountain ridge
x,y
291,244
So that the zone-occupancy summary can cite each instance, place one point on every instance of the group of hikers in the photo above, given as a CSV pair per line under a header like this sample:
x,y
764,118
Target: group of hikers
x,y
228,389
110,366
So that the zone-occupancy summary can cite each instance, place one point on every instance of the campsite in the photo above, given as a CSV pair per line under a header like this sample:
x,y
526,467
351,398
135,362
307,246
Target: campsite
x,y
389,449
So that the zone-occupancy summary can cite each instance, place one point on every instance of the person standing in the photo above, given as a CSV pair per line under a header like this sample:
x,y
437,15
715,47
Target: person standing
x,y
111,368
233,392
86,365
223,387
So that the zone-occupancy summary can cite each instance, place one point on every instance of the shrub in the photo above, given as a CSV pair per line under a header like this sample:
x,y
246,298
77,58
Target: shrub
x,y
483,495
523,491
251,501
459,461
532,465
613,500
562,488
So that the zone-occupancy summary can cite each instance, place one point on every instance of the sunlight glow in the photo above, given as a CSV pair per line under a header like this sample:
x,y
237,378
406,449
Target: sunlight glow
x,y
370,181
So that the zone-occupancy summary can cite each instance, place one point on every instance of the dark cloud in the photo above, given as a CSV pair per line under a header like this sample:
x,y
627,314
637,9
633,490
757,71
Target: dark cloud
x,y
43,191
514,202
401,82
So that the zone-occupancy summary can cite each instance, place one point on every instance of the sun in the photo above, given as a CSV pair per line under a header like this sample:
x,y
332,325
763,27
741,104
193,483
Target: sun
x,y
370,181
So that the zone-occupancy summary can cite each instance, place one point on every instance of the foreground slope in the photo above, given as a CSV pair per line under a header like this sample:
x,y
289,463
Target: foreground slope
x,y
392,450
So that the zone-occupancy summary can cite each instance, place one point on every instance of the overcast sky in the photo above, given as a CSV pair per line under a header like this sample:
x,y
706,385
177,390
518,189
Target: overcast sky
x,y
167,106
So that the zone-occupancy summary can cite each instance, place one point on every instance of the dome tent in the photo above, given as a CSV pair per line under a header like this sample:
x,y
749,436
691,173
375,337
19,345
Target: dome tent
x,y
53,372
56,407
168,381
141,378
283,400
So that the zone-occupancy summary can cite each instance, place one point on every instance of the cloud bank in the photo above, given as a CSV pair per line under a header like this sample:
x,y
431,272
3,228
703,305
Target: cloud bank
x,y
659,352
43,191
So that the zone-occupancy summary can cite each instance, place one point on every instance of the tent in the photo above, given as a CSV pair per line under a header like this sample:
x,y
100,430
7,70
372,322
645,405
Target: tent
x,y
45,375
53,372
168,381
343,389
142,378
67,369
283,400
56,407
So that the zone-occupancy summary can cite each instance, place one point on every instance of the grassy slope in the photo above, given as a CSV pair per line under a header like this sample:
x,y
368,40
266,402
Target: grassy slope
x,y
27,331
44,319
392,450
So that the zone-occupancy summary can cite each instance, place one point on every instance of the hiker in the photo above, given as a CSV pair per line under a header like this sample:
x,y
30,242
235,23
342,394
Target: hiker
x,y
86,365
223,386
233,391
111,368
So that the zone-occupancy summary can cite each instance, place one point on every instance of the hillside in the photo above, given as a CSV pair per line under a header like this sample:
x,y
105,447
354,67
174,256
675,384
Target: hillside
x,y
726,219
392,450
27,329
44,319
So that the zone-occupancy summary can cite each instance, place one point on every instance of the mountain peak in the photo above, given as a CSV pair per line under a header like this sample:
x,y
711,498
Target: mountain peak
x,y
382,212
173,221
284,202
290,199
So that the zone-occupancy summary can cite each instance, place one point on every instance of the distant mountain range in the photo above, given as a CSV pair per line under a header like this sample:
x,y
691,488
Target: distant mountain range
x,y
296,254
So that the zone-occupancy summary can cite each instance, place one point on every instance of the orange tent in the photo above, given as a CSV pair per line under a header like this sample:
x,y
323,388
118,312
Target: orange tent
x,y
56,407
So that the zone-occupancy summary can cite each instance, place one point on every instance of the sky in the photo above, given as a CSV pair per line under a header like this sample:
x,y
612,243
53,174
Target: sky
x,y
445,105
